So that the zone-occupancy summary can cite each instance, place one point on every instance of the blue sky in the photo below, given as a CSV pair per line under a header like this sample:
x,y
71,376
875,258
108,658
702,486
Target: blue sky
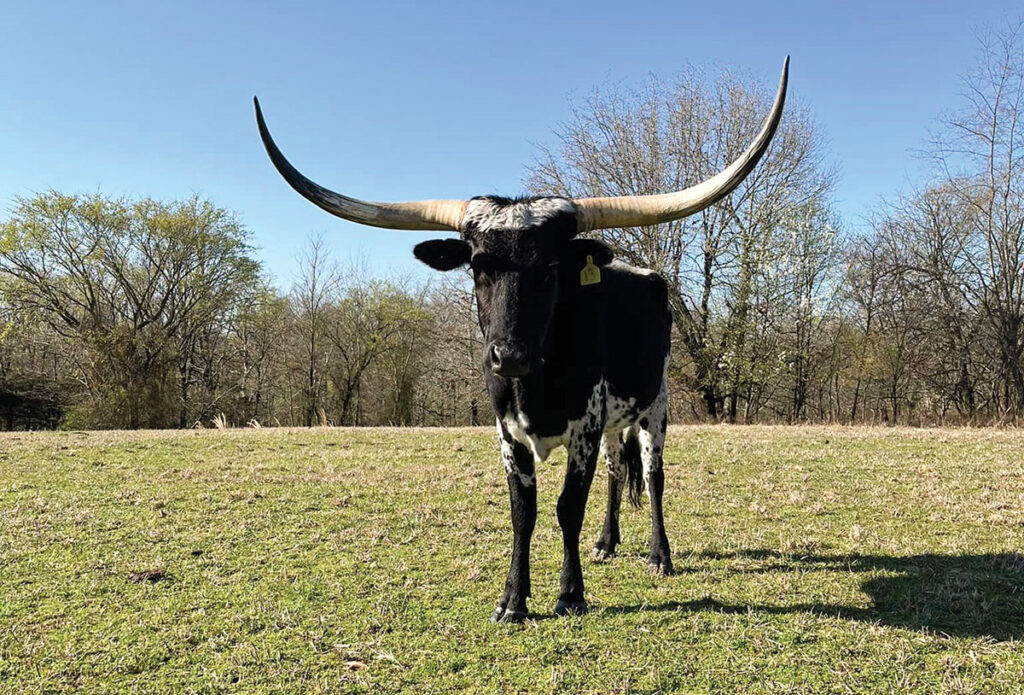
x,y
397,100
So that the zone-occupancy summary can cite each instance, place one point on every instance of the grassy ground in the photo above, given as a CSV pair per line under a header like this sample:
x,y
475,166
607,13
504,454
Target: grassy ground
x,y
809,560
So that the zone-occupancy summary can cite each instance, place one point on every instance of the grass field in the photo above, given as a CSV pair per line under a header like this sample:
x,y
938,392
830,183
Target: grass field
x,y
808,560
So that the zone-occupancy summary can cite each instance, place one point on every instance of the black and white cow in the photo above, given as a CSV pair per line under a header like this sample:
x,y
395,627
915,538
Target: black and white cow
x,y
576,344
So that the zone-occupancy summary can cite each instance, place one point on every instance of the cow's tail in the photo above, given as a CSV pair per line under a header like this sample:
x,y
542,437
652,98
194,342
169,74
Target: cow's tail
x,y
634,467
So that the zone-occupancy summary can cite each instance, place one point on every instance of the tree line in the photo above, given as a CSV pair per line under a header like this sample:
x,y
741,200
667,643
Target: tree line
x,y
142,314
135,313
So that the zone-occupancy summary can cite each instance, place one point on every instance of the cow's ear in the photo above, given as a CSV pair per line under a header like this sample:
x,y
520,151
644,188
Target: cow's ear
x,y
443,254
602,254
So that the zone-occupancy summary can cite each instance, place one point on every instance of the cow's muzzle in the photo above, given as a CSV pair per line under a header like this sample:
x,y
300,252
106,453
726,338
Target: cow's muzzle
x,y
508,360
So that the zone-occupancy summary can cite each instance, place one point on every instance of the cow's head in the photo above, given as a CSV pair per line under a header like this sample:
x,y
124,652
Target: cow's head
x,y
518,249
522,254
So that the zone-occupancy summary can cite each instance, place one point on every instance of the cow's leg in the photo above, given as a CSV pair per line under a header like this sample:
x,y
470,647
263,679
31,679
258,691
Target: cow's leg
x,y
584,443
652,445
611,449
522,491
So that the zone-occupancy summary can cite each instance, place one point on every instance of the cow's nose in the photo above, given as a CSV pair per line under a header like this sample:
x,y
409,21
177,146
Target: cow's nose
x,y
495,356
507,361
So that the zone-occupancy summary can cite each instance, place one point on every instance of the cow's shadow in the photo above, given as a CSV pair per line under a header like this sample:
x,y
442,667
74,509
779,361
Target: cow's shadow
x,y
957,595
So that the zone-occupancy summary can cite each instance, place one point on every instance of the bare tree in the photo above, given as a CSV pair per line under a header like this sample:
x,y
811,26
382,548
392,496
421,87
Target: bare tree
x,y
456,394
980,151
670,136
261,351
801,280
951,253
312,294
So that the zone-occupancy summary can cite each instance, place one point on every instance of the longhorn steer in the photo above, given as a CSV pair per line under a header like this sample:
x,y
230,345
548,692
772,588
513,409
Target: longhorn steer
x,y
576,345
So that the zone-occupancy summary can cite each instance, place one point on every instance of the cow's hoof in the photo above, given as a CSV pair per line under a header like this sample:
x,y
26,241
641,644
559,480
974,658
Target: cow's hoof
x,y
501,615
600,553
660,565
564,608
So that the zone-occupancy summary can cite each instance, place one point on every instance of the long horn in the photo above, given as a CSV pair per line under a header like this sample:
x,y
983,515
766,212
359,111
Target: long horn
x,y
422,214
642,210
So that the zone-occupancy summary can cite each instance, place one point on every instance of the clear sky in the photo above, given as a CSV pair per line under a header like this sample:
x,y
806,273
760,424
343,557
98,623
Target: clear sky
x,y
410,100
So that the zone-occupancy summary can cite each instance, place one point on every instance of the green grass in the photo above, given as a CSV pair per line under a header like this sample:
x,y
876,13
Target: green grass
x,y
808,560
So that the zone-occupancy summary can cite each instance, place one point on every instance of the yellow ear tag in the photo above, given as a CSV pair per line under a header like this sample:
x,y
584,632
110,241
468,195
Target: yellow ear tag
x,y
591,274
